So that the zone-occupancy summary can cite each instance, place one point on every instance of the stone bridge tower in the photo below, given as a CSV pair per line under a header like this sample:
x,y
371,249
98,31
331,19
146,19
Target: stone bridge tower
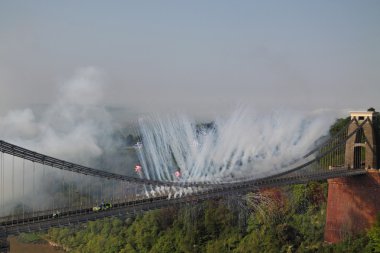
x,y
361,147
353,202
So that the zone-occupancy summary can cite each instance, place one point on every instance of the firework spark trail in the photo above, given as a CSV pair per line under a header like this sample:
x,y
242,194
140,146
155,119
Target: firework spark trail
x,y
243,145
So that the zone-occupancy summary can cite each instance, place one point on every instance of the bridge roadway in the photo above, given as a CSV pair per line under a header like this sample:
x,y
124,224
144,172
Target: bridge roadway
x,y
130,208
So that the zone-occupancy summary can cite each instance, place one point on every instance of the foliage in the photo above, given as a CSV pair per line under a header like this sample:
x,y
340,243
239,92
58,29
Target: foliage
x,y
338,125
374,237
30,238
293,225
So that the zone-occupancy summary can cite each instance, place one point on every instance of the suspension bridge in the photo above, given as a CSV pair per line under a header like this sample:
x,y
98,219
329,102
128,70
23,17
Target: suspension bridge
x,y
39,191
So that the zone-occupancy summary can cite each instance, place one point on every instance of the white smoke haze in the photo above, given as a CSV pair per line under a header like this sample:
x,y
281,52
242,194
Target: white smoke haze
x,y
19,124
70,128
245,144
76,127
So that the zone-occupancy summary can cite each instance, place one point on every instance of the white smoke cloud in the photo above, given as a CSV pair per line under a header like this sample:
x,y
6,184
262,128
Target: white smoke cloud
x,y
20,124
76,127
71,128
244,144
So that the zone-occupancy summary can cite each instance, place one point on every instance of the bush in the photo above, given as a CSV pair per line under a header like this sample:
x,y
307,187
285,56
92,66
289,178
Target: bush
x,y
30,238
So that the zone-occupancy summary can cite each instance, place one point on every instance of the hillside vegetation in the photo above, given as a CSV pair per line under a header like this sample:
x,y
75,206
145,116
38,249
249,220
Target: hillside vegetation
x,y
292,222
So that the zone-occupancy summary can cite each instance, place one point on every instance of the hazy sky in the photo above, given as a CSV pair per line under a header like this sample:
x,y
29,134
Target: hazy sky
x,y
197,56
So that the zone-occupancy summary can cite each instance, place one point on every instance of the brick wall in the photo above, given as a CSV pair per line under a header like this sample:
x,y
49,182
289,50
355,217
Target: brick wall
x,y
352,205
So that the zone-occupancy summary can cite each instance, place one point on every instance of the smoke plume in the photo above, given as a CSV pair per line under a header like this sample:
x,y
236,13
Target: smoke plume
x,y
244,144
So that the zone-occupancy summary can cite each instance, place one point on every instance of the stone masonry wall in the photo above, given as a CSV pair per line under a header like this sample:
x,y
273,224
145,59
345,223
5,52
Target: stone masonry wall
x,y
352,205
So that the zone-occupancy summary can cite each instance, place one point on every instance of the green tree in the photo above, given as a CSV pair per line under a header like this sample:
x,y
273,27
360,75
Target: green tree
x,y
374,237
338,125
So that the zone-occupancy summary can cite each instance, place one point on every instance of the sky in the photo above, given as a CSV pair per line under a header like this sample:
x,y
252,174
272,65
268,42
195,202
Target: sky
x,y
202,57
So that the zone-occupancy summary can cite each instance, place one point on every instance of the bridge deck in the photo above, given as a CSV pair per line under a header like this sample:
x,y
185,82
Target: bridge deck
x,y
130,208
